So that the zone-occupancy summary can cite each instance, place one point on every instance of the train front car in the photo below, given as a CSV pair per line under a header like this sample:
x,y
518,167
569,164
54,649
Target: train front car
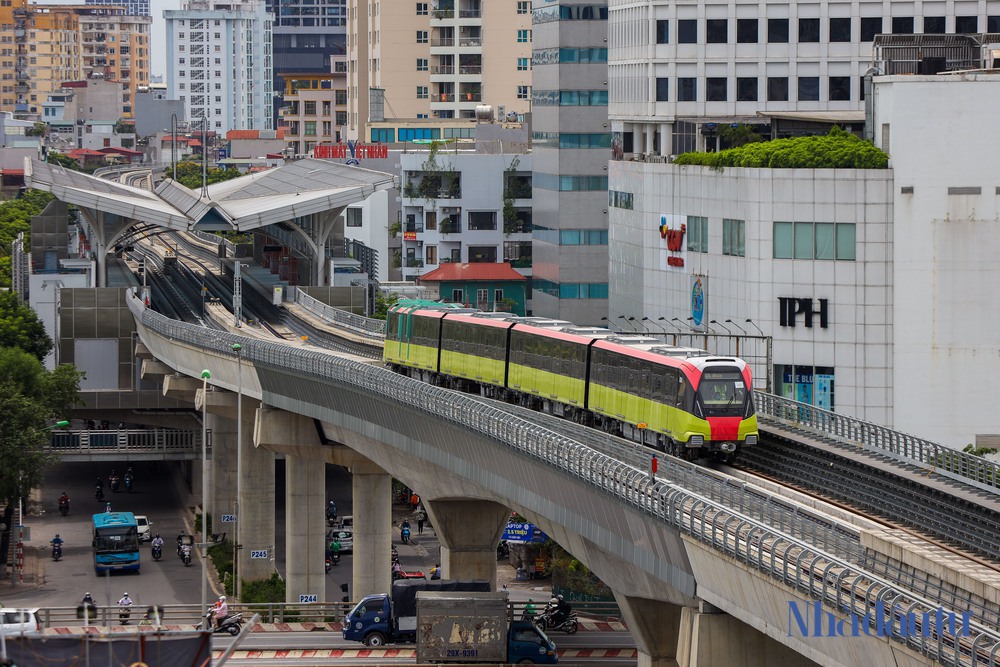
x,y
723,398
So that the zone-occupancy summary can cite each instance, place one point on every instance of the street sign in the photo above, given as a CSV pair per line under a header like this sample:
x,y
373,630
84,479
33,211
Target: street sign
x,y
228,518
259,554
308,598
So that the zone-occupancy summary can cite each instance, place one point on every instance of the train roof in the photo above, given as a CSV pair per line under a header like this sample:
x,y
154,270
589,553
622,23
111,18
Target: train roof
x,y
475,318
637,339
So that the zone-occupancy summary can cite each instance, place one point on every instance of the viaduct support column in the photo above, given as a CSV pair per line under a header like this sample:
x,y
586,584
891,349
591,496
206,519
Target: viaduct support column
x,y
220,421
710,637
469,531
305,498
372,491
305,522
655,625
256,508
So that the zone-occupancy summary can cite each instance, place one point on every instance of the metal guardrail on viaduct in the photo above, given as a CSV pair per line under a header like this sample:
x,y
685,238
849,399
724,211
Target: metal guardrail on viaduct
x,y
840,585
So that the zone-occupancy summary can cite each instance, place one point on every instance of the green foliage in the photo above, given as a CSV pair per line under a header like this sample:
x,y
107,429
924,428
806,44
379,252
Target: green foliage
x,y
437,179
510,221
271,589
738,136
222,558
30,398
63,160
15,217
383,302
189,174
571,575
979,451
836,150
20,328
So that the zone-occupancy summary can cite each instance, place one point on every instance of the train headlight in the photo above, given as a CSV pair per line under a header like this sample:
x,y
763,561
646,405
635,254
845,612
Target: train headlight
x,y
728,446
696,441
751,440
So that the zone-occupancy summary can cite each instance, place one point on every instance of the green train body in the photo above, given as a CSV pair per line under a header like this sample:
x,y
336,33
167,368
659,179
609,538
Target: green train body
x,y
685,402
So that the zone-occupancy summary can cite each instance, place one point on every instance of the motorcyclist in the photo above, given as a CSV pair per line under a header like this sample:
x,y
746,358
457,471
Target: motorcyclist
x,y
331,511
99,484
157,543
561,613
124,608
335,548
57,541
529,610
404,531
63,499
88,599
220,610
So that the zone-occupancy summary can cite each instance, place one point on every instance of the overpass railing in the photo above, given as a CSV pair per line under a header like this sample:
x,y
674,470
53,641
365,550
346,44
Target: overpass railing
x,y
359,324
125,441
968,468
216,239
836,583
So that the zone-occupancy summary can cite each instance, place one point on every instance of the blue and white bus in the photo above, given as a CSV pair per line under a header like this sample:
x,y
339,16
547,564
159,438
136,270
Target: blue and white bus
x,y
116,542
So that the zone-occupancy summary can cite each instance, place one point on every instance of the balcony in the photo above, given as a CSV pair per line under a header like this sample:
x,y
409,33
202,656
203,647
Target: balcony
x,y
414,227
470,41
443,41
442,14
414,263
470,14
444,97
443,69
470,69
451,228
470,97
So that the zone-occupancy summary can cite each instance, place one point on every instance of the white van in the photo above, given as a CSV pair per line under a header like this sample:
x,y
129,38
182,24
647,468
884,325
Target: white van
x,y
19,621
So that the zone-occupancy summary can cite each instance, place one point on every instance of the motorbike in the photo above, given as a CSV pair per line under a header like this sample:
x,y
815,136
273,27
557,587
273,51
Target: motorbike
x,y
64,507
232,623
128,484
124,613
56,551
157,552
503,550
404,535
99,493
185,551
331,515
115,483
546,621
334,559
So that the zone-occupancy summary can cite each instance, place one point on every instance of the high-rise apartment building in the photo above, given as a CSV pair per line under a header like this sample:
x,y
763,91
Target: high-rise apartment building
x,y
132,7
314,108
437,59
220,63
114,45
307,37
39,49
571,143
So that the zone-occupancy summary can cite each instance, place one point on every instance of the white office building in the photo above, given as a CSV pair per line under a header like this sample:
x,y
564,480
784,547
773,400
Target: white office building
x,y
220,63
877,287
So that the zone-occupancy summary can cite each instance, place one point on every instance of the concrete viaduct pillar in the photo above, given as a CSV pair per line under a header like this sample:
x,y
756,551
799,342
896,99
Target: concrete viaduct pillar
x,y
469,531
256,501
305,498
372,499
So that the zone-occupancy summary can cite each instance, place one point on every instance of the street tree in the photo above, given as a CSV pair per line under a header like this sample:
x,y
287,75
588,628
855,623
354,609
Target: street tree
x,y
31,399
20,327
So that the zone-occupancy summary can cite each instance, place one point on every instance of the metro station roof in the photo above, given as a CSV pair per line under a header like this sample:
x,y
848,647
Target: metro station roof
x,y
277,195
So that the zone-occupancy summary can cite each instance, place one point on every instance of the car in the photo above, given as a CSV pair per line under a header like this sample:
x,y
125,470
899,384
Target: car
x,y
19,621
346,539
145,535
347,522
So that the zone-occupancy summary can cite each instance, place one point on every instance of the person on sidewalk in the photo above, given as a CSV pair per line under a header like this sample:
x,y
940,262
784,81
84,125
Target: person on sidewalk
x,y
420,517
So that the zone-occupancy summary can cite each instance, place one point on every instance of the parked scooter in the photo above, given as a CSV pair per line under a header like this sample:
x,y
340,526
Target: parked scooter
x,y
231,624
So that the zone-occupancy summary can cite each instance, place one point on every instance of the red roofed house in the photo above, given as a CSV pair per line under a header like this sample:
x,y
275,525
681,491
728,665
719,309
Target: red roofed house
x,y
486,286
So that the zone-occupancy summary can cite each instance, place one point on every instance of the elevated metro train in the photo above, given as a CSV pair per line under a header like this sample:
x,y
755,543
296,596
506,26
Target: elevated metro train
x,y
679,400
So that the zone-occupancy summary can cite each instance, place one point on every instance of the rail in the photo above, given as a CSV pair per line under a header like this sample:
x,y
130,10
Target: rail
x,y
365,326
973,470
836,583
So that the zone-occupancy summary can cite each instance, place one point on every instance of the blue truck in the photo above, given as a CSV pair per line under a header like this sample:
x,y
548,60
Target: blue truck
x,y
388,619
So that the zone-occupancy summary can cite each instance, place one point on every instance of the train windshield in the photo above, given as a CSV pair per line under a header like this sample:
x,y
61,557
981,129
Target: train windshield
x,y
723,392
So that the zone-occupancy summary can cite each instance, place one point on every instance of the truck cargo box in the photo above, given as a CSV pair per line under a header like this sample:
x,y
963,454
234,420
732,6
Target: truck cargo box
x,y
461,627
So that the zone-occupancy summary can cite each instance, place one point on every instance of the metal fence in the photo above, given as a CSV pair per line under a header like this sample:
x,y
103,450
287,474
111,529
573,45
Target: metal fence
x,y
838,584
970,469
216,239
359,324
124,441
